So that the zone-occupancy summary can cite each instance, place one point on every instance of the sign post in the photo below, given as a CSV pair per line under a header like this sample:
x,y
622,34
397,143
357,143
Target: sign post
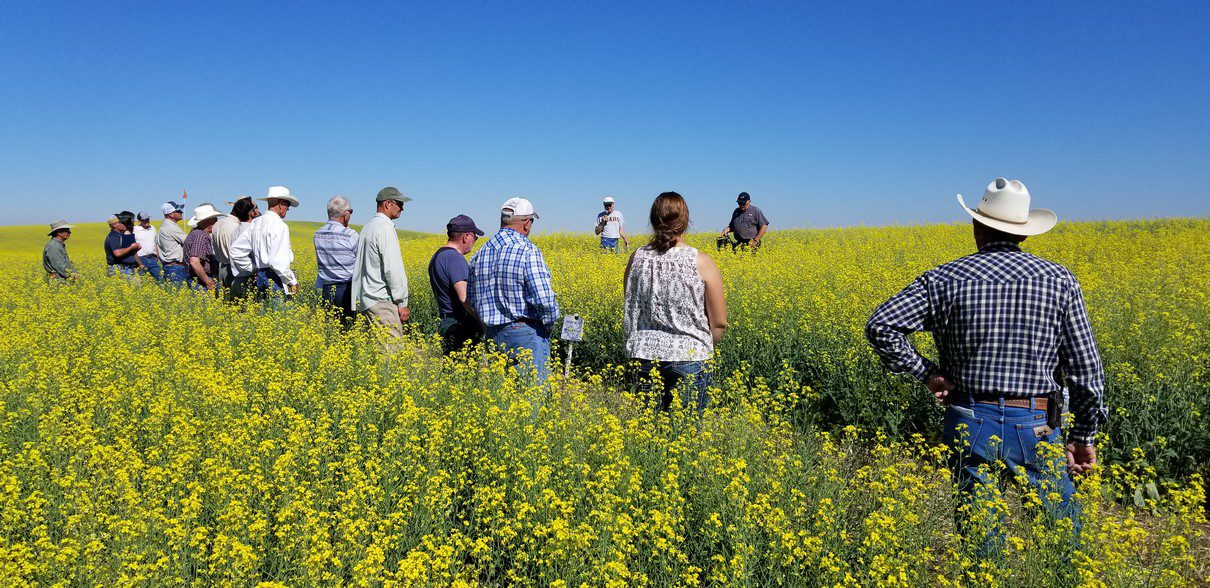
x,y
573,331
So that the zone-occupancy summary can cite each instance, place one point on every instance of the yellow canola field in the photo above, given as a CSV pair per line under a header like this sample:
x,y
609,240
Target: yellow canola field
x,y
159,438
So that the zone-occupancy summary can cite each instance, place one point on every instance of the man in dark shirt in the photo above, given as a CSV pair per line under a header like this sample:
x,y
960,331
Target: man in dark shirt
x,y
747,222
121,250
448,273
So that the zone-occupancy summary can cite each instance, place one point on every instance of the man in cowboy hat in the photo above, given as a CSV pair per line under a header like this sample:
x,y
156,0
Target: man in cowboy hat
x,y
1011,330
271,248
170,244
448,274
144,235
510,287
747,222
54,256
610,226
379,283
199,250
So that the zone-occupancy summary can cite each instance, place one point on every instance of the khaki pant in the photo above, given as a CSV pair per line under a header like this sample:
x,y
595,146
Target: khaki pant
x,y
385,314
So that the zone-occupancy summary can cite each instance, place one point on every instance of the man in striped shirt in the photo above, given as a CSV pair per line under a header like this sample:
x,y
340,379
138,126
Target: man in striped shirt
x,y
1012,331
335,255
510,287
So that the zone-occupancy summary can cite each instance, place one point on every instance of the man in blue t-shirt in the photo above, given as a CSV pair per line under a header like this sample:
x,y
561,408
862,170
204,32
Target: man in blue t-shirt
x,y
121,249
448,273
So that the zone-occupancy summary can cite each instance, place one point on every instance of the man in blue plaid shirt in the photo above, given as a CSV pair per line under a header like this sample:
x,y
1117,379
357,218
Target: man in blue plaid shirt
x,y
510,287
1011,330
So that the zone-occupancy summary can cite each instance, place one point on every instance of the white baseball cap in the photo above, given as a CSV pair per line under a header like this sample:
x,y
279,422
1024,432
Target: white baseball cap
x,y
609,200
519,207
170,207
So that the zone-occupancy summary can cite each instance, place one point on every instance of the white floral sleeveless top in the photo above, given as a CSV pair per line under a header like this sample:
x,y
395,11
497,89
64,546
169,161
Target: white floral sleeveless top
x,y
665,316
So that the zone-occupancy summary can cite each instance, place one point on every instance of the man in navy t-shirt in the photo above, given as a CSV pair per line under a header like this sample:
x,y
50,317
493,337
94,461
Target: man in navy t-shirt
x,y
448,273
121,250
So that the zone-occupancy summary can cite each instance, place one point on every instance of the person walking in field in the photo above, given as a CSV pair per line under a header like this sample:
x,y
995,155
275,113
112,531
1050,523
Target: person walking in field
x,y
1011,330
170,244
239,253
54,255
335,255
611,226
379,283
121,250
747,222
221,235
674,311
510,288
448,276
271,250
144,235
199,249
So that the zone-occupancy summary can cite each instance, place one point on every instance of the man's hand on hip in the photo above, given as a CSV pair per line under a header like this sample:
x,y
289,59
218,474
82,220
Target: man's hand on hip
x,y
940,386
1080,458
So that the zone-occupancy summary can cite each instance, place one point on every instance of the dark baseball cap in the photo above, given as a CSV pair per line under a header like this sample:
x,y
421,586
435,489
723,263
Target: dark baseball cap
x,y
463,224
743,197
391,193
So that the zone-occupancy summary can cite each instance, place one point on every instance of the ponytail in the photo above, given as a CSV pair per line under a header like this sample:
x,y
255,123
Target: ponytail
x,y
669,220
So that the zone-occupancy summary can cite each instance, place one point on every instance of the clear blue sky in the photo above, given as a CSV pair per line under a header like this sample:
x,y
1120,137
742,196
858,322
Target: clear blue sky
x,y
828,115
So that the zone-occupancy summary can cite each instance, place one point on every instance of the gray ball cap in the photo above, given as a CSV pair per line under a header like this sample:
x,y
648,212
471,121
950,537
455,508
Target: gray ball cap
x,y
391,193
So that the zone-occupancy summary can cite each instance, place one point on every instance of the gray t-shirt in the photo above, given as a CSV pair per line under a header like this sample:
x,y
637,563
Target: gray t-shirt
x,y
747,223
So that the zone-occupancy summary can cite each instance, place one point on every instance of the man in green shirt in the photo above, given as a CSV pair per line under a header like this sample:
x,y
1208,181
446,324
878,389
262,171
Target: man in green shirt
x,y
54,256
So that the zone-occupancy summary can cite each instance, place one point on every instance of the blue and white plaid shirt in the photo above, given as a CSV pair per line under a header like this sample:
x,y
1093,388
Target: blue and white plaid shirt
x,y
335,253
509,281
1006,323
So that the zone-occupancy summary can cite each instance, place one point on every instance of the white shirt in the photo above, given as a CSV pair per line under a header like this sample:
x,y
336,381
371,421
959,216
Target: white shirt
x,y
221,235
271,246
613,223
378,274
240,251
145,238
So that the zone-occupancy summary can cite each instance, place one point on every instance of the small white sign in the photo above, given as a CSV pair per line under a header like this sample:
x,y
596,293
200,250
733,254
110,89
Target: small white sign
x,y
573,328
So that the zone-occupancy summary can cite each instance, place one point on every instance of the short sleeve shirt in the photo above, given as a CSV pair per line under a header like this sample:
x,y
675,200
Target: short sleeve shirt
x,y
115,241
747,223
199,245
613,223
447,268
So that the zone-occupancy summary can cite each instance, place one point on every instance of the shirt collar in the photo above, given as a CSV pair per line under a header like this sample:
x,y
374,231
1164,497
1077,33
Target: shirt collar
x,y
384,216
999,246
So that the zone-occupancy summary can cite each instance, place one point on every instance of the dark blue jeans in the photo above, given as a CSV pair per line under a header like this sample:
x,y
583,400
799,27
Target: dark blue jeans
x,y
691,381
152,265
174,274
515,337
340,297
980,465
609,243
270,290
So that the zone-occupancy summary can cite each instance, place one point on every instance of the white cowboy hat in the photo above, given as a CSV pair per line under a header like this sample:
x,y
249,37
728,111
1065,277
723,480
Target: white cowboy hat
x,y
280,193
1005,207
203,212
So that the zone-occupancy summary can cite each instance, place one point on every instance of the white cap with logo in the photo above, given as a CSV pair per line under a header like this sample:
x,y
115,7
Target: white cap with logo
x,y
519,207
609,200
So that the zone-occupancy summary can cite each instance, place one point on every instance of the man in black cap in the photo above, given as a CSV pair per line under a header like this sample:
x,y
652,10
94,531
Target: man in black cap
x,y
121,249
747,222
448,274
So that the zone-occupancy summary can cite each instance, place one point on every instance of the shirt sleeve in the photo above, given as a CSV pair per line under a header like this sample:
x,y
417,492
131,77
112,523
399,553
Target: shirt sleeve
x,y
760,218
281,258
538,292
1080,363
392,266
892,322
241,253
455,269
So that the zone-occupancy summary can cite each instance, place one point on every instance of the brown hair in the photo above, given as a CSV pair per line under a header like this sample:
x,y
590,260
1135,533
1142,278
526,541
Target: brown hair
x,y
669,220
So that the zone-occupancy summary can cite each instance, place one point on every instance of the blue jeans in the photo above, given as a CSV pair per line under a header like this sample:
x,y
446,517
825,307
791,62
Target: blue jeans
x,y
969,428
270,289
174,274
609,243
120,268
340,296
690,379
513,337
152,265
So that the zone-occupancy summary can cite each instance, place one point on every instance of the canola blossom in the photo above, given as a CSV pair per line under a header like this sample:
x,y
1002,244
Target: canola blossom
x,y
159,438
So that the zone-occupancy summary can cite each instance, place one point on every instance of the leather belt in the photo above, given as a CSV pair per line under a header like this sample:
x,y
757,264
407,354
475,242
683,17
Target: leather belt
x,y
1040,402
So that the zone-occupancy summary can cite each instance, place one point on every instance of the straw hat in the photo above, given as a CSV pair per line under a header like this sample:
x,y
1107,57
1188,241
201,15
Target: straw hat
x,y
1005,206
203,212
280,193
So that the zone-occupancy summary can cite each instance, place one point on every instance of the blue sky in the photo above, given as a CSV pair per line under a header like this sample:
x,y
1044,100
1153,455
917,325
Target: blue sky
x,y
830,114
